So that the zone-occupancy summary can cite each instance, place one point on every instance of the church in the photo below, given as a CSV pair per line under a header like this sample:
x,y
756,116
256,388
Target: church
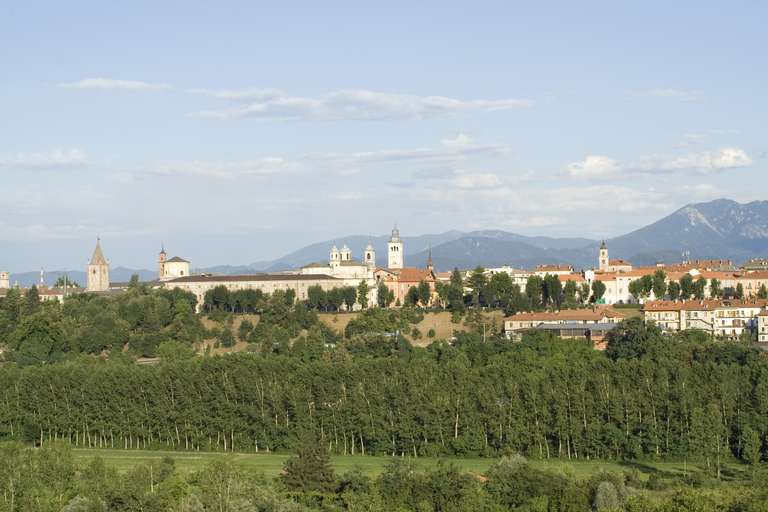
x,y
398,278
341,270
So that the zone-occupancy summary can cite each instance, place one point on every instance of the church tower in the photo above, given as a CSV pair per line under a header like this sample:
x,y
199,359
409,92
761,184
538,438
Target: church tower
x,y
369,256
5,281
430,265
603,261
98,271
395,250
335,259
161,261
345,253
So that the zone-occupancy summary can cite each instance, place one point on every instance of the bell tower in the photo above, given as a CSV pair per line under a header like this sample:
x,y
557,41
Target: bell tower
x,y
335,259
369,256
5,280
395,250
603,261
161,261
98,271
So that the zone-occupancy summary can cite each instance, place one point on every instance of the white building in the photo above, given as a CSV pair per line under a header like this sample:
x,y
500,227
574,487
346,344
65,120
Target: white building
x,y
5,280
171,268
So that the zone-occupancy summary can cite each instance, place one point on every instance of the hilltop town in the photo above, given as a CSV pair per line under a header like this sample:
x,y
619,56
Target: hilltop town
x,y
712,295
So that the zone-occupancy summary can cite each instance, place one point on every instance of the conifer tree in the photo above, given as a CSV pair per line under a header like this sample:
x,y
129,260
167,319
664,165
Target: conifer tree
x,y
310,469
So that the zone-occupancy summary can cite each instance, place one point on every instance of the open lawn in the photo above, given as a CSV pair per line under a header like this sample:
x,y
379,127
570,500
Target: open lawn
x,y
270,464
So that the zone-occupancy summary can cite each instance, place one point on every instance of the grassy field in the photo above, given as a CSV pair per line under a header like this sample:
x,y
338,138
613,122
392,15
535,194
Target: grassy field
x,y
270,464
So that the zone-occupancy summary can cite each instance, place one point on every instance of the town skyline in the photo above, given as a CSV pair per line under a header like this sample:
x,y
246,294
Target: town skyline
x,y
747,224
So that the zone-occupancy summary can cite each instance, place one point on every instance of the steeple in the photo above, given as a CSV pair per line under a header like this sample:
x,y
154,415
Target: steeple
x,y
98,270
98,256
395,234
430,265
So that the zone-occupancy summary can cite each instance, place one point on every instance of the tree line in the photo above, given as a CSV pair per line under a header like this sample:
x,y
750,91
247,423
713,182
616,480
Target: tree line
x,y
647,396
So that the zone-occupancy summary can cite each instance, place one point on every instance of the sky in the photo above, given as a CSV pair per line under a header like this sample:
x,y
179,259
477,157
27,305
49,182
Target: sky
x,y
235,132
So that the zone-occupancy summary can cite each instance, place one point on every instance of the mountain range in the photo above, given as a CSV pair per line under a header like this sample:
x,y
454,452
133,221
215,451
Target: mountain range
x,y
717,229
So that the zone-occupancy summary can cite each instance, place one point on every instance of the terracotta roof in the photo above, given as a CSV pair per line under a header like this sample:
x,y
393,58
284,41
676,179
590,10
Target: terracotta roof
x,y
567,315
413,275
759,274
578,278
252,278
554,267
176,259
618,262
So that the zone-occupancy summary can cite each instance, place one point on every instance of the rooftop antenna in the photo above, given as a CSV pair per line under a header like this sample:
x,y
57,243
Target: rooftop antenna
x,y
42,278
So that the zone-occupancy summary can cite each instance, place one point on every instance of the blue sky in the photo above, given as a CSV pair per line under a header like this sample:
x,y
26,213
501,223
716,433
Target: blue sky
x,y
235,132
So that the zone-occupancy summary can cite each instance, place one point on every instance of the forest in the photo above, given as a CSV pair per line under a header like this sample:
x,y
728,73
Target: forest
x,y
70,379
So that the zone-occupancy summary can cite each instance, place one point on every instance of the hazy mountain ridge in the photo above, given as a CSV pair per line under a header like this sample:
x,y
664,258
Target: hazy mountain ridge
x,y
717,229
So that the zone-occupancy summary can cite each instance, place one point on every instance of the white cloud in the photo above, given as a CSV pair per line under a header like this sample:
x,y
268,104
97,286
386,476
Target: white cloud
x,y
669,92
57,158
477,180
231,169
112,84
346,104
454,149
593,166
708,161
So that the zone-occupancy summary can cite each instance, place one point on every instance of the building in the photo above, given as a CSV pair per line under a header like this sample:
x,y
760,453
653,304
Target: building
x,y
399,281
762,328
171,268
395,258
723,318
266,283
592,324
555,270
5,280
756,264
341,270
519,276
342,265
619,265
98,271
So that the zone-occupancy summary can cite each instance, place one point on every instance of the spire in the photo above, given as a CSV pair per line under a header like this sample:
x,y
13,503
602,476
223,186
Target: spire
x,y
430,265
395,234
603,246
162,248
98,256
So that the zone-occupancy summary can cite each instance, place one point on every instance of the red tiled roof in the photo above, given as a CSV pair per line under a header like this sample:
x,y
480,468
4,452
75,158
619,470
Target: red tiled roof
x,y
567,315
553,267
413,275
